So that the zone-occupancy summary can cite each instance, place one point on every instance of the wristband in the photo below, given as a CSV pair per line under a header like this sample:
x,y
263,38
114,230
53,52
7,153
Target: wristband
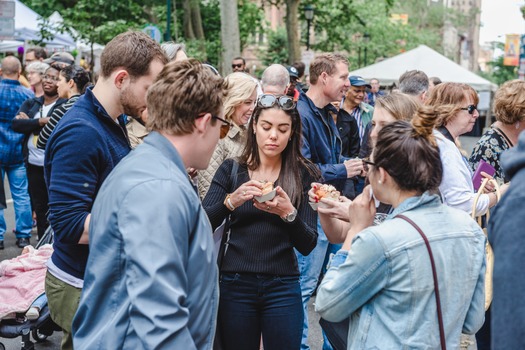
x,y
228,203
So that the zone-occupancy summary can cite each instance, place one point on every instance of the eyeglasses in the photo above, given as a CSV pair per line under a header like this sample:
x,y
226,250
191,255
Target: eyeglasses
x,y
225,127
49,77
366,163
239,65
267,101
470,109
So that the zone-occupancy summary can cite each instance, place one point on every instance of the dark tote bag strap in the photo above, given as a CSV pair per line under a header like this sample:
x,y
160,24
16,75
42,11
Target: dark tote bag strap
x,y
434,274
226,233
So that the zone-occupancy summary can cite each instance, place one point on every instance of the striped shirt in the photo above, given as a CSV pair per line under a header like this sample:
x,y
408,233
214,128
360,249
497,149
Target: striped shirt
x,y
58,113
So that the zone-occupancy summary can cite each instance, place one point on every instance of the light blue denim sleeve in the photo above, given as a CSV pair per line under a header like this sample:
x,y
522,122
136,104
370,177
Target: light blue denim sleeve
x,y
476,312
156,245
353,278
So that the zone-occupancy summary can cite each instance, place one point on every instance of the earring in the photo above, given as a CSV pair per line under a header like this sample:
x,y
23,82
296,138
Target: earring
x,y
290,139
517,125
379,182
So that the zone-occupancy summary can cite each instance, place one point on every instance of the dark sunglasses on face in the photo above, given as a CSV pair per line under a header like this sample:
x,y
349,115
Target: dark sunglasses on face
x,y
236,65
267,101
225,127
470,109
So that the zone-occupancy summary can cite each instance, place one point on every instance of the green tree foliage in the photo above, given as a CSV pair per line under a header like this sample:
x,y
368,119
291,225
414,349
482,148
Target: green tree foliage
x,y
341,26
98,21
500,73
277,51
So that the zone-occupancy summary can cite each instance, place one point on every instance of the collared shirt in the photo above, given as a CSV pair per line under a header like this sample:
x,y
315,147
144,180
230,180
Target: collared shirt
x,y
151,280
12,95
385,284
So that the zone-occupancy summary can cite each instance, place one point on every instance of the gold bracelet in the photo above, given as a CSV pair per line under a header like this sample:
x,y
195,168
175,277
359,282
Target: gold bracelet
x,y
228,202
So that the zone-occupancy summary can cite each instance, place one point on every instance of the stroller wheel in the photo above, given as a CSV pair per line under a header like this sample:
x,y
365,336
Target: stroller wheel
x,y
37,336
2,346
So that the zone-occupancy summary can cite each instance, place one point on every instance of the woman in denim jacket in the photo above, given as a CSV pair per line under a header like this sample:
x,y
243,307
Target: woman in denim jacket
x,y
382,277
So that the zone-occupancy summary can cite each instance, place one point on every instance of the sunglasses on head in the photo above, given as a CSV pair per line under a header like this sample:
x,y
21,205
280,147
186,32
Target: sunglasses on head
x,y
470,109
239,65
225,127
267,101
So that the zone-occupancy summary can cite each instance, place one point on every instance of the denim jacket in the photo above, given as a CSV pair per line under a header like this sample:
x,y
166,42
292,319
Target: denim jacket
x,y
384,282
151,280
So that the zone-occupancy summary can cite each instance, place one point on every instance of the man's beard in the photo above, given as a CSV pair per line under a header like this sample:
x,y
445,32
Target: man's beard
x,y
127,100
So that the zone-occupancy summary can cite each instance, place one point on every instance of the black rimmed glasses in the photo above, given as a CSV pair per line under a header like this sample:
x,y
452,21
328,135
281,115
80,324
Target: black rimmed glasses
x,y
267,101
366,163
470,109
225,127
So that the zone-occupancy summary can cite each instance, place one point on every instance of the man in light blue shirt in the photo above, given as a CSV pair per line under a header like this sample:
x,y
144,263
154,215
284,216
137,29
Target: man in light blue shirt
x,y
151,279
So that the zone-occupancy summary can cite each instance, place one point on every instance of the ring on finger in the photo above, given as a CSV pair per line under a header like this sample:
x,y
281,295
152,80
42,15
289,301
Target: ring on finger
x,y
244,193
268,208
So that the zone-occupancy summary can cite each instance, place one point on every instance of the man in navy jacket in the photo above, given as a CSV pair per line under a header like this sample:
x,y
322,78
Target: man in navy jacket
x,y
322,145
86,145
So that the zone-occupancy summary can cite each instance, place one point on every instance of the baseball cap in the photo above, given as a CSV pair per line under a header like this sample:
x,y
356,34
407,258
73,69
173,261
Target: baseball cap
x,y
292,71
358,81
62,59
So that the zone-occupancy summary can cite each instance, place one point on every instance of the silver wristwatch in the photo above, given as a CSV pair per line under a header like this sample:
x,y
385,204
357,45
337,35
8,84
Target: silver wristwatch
x,y
290,217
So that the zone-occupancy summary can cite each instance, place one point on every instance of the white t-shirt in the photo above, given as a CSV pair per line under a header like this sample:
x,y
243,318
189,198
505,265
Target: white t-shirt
x,y
36,155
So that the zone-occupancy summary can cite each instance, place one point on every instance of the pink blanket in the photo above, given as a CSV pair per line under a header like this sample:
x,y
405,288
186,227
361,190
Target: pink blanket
x,y
22,279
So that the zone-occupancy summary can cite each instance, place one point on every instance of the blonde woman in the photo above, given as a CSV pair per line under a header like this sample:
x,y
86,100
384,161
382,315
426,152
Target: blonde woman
x,y
238,108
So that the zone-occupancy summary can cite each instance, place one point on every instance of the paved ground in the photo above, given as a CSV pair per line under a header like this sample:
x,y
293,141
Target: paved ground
x,y
53,342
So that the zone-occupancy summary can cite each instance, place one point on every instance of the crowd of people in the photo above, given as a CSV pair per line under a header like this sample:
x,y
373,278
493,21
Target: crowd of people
x,y
333,187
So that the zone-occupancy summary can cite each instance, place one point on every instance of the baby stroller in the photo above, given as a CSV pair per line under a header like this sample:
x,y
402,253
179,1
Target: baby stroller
x,y
20,326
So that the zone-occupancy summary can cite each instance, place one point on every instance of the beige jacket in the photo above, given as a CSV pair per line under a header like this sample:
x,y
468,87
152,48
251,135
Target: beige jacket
x,y
229,147
136,132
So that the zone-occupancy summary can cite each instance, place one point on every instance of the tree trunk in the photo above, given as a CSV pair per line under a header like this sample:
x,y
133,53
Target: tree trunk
x,y
187,25
196,19
292,29
230,38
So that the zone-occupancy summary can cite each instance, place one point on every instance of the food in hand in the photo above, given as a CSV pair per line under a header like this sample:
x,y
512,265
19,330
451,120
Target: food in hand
x,y
268,192
328,192
267,187
325,191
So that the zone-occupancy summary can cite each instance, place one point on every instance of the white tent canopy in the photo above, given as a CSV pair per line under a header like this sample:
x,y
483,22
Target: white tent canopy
x,y
26,29
429,61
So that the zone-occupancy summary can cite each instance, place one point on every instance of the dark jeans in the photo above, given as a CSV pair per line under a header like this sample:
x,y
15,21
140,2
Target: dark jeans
x,y
251,304
39,197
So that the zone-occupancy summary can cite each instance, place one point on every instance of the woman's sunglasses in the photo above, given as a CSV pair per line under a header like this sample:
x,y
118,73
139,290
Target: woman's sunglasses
x,y
225,127
267,101
470,109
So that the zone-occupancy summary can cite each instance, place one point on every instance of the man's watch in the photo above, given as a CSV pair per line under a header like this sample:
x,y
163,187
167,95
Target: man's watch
x,y
290,217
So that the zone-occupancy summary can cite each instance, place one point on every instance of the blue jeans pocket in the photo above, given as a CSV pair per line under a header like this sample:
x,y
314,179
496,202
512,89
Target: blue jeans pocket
x,y
229,278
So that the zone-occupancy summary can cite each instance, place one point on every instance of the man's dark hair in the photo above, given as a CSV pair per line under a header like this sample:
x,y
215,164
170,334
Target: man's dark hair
x,y
413,82
240,58
39,52
131,51
435,80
